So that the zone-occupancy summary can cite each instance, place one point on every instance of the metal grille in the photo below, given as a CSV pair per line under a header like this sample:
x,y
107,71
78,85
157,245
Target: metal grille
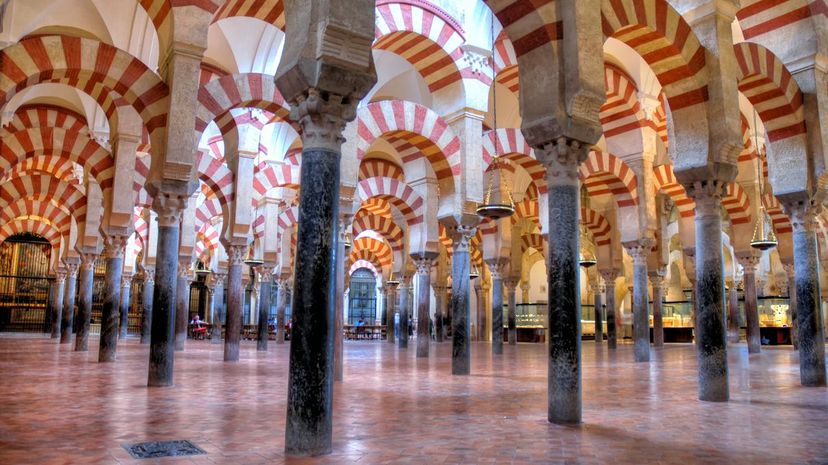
x,y
24,286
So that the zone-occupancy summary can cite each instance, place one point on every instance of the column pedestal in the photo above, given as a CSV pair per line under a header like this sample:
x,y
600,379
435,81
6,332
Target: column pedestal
x,y
87,275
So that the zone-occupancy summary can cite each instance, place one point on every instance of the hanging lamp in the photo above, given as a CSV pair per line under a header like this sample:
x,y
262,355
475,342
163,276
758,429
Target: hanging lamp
x,y
251,260
392,281
586,258
763,235
498,204
201,269
474,273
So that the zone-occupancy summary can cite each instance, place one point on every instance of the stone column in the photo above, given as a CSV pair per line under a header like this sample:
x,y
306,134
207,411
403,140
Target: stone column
x,y
749,264
218,302
149,291
69,301
733,320
440,301
390,300
709,291
609,277
511,317
789,270
561,159
423,262
210,285
235,303
810,329
405,283
182,302
282,294
460,312
524,292
126,297
639,251
339,313
57,303
497,267
168,207
481,316
657,281
111,313
599,289
265,283
87,276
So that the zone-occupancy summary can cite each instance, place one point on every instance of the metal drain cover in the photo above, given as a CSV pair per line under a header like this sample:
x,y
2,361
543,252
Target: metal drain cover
x,y
154,449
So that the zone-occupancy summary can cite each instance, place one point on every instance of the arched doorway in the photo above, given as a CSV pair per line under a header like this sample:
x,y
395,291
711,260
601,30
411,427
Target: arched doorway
x,y
24,283
362,302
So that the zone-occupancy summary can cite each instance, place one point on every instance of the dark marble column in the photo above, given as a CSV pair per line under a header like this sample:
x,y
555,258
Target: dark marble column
x,y
733,312
561,160
49,312
460,311
511,317
182,303
219,280
235,304
789,270
481,309
424,262
111,312
339,314
641,322
265,283
126,297
57,302
146,303
657,281
282,295
598,301
440,300
754,338
69,301
405,283
810,329
497,268
87,276
169,207
709,298
390,300
609,277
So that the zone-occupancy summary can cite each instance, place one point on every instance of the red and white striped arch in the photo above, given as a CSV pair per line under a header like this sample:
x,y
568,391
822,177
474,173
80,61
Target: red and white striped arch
x,y
57,215
363,264
532,240
217,176
512,146
529,23
427,40
44,187
737,204
758,17
377,167
90,66
43,229
269,176
210,208
620,113
376,206
209,236
597,225
366,256
771,89
400,194
780,221
139,181
382,225
288,218
415,131
270,11
141,225
666,42
74,146
243,90
604,173
527,209
59,167
505,63
45,116
666,182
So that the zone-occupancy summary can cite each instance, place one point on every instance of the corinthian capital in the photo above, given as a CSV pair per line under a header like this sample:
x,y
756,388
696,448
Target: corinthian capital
x,y
235,254
322,118
169,207
562,158
115,246
461,236
802,213
707,195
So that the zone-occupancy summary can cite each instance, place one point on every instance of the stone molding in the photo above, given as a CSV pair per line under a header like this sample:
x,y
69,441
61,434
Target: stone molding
x,y
562,158
707,195
423,264
749,263
461,236
115,245
236,254
169,207
88,261
322,119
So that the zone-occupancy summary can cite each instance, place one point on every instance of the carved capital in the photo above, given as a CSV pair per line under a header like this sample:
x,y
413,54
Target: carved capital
x,y
498,267
562,158
169,207
749,262
126,281
640,249
265,273
149,275
461,236
236,254
322,118
423,265
184,270
88,261
707,195
609,277
657,282
60,277
803,214
115,245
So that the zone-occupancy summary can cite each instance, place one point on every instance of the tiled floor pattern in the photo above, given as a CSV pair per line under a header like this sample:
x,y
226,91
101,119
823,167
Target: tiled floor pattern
x,y
62,407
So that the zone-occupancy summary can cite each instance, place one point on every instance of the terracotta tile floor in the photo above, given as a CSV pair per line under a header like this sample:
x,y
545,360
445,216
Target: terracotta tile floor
x,y
62,407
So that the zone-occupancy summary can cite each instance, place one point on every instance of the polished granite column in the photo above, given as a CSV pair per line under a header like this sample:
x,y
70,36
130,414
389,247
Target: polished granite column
x,y
111,312
511,316
146,304
754,338
733,313
480,288
217,322
235,303
182,303
169,207
340,268
49,312
810,335
598,302
460,311
405,283
390,300
68,313
439,300
424,262
561,159
497,267
639,251
657,281
57,302
85,288
609,277
282,296
709,298
126,298
265,282
790,271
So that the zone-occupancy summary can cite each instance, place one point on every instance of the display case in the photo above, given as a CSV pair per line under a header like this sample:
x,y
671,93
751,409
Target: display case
x,y
774,320
677,319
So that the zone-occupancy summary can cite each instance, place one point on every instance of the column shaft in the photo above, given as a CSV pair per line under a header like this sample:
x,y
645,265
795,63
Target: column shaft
x,y
57,304
811,337
51,317
754,338
69,304
218,305
599,320
146,303
339,300
111,314
424,264
640,306
403,340
182,304
264,308
497,314
162,342
460,309
439,299
280,311
87,275
511,317
235,304
658,323
389,313
126,297
609,282
733,320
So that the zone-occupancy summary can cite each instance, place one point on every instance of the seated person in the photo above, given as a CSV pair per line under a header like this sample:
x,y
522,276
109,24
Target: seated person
x,y
199,328
360,322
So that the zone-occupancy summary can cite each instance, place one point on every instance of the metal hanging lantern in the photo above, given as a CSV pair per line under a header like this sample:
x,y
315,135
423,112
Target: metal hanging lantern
x,y
201,269
392,281
251,260
586,258
348,242
474,273
763,235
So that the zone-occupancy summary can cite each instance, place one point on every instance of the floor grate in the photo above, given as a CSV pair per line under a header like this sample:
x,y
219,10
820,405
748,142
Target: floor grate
x,y
154,449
